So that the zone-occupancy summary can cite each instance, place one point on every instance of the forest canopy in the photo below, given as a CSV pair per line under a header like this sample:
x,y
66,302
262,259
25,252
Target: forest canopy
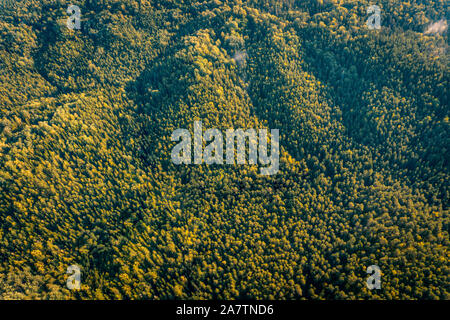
x,y
86,177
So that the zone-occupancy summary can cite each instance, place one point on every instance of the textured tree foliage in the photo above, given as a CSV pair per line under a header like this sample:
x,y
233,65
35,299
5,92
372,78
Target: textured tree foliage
x,y
85,171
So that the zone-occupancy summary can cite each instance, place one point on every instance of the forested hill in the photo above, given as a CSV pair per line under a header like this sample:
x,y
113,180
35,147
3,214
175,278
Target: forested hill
x,y
86,177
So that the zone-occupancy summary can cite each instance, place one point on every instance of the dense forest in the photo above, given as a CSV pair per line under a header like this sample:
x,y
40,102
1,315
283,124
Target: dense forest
x,y
86,176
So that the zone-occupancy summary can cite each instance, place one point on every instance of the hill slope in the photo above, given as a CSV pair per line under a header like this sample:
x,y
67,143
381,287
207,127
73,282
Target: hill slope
x,y
85,170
